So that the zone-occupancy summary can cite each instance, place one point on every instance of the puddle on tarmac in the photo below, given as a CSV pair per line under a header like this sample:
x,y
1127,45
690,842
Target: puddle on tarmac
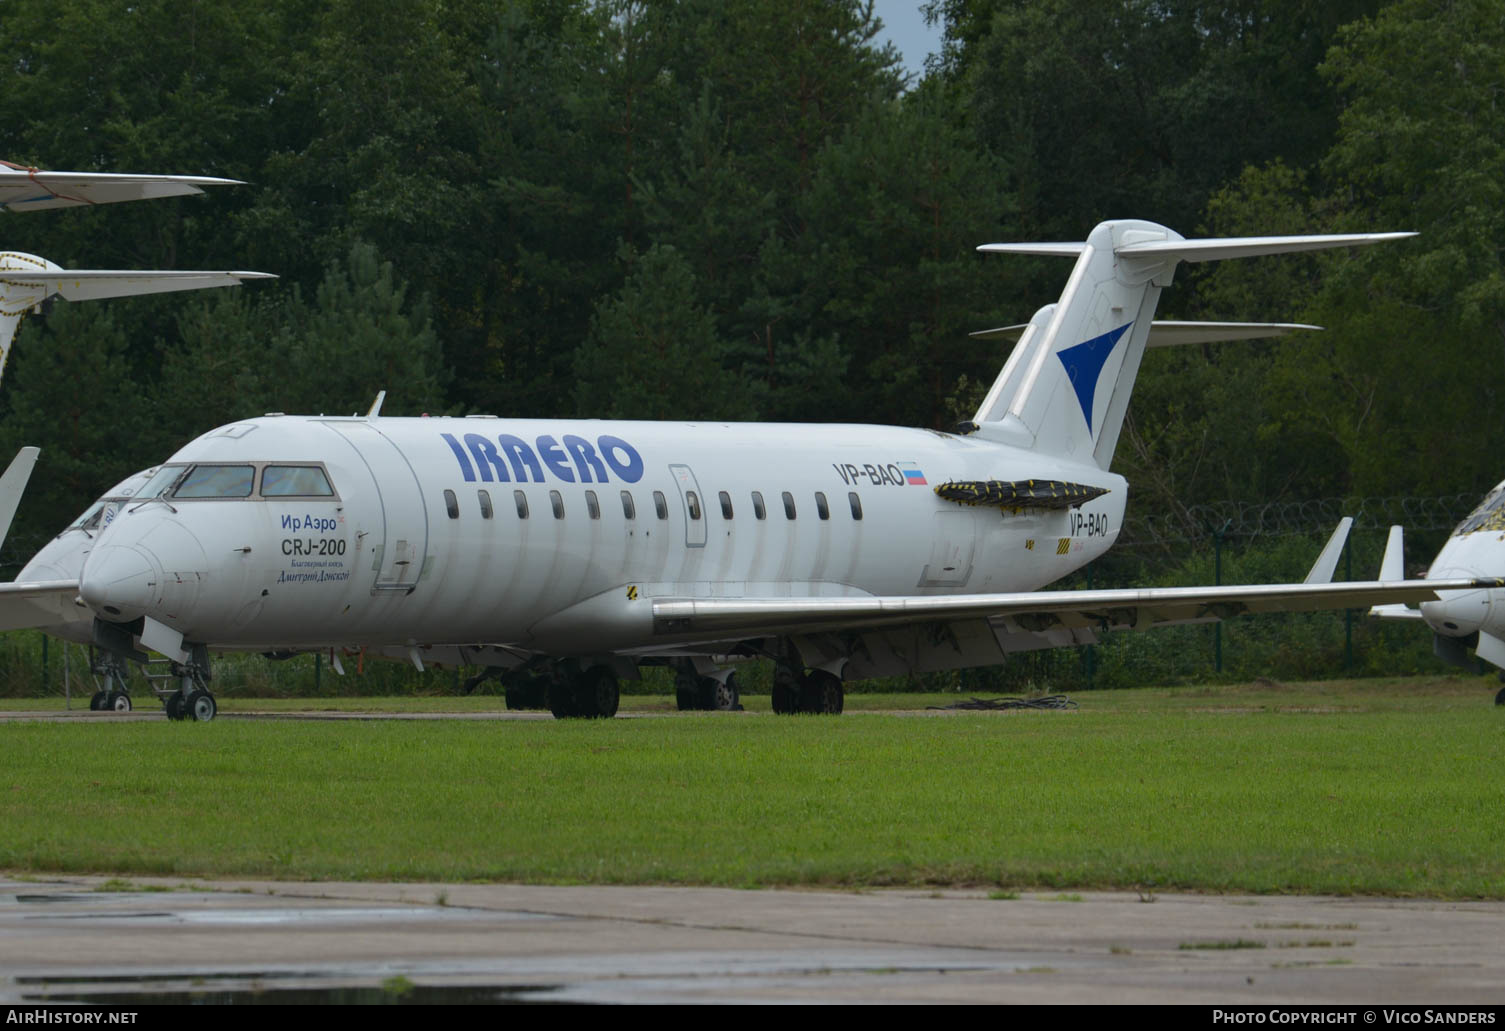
x,y
198,990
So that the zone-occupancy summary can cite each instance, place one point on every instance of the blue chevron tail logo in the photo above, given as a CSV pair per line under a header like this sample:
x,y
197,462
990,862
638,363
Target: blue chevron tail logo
x,y
1084,366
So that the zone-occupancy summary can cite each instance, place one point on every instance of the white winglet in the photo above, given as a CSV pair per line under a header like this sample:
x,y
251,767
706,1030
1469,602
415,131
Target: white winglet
x,y
1327,562
13,485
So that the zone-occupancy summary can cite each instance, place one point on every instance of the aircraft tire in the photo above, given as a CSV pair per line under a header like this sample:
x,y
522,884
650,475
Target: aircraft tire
x,y
117,701
97,701
173,706
822,694
716,696
1500,698
685,698
562,701
597,694
785,698
202,707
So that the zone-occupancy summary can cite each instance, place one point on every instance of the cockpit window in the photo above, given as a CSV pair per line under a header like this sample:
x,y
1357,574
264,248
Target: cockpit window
x,y
90,519
165,478
1490,515
217,481
283,481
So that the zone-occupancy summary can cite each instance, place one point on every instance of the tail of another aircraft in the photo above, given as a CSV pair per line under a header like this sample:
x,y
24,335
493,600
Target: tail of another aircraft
x,y
27,280
1066,387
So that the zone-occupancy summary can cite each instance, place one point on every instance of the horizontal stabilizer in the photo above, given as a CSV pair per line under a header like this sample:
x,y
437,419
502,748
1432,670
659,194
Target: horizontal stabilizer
x,y
1049,250
30,189
1247,246
94,284
1174,334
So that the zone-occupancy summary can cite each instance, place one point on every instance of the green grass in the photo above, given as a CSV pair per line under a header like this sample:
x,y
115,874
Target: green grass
x,y
1372,788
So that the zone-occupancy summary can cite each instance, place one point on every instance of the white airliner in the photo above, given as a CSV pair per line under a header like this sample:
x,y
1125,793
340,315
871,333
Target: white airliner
x,y
1464,619
580,549
26,281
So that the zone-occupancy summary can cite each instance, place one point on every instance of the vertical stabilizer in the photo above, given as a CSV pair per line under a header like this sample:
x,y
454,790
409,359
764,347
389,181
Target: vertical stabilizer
x,y
1065,390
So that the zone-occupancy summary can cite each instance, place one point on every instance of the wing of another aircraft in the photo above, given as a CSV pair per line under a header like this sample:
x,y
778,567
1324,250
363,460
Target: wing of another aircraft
x,y
39,603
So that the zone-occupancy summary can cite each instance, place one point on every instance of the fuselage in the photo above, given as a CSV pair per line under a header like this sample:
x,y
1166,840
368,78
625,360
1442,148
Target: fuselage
x,y
1475,549
316,531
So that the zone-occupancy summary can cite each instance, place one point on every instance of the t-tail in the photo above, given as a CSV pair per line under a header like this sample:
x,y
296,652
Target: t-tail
x,y
1065,389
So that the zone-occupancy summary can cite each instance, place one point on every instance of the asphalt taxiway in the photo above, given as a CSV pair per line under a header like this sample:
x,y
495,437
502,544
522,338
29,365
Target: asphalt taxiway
x,y
80,939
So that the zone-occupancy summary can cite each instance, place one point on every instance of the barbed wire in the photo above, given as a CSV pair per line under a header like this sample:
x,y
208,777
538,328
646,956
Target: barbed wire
x,y
1248,520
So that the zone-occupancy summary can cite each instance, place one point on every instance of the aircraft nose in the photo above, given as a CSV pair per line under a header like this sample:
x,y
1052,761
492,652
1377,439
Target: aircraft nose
x,y
120,582
1457,613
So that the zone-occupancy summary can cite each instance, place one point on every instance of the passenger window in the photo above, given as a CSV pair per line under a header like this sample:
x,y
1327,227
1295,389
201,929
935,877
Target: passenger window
x,y
295,481
592,506
521,500
759,512
451,504
558,503
693,503
856,504
629,510
217,481
788,505
726,505
660,505
484,496
821,508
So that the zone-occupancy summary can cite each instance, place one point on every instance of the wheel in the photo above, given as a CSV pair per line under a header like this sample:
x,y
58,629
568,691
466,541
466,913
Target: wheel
x,y
173,706
822,693
562,701
716,696
527,694
1500,698
597,694
97,701
117,701
785,697
201,706
686,697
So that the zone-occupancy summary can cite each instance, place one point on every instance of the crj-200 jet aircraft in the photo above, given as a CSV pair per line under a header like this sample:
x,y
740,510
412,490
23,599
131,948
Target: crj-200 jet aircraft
x,y
1468,619
582,548
26,281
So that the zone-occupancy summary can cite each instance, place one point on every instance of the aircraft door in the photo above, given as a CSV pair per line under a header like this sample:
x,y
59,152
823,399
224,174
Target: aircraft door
x,y
693,503
401,543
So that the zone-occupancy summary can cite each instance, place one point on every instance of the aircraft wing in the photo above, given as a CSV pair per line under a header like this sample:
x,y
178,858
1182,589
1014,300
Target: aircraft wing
x,y
1032,611
37,603
31,189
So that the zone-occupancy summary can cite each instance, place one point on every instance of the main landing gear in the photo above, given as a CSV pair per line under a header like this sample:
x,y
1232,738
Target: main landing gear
x,y
593,694
694,692
817,692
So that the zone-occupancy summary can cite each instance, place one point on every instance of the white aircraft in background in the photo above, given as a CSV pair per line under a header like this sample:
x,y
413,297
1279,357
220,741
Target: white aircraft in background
x,y
1463,619
581,548
26,281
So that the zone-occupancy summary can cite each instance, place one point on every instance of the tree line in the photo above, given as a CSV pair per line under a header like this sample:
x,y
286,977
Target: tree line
x,y
740,210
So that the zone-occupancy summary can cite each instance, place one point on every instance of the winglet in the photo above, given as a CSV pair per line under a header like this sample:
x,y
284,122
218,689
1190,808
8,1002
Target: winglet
x,y
1327,562
13,485
1392,567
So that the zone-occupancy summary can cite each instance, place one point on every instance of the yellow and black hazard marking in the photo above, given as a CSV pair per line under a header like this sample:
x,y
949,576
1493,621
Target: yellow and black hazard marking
x,y
632,593
1064,546
1019,494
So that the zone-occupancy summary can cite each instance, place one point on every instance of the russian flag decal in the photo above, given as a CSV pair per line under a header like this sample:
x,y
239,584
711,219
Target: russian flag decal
x,y
912,474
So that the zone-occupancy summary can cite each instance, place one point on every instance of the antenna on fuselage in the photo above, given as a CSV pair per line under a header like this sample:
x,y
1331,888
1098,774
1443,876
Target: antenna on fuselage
x,y
381,395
